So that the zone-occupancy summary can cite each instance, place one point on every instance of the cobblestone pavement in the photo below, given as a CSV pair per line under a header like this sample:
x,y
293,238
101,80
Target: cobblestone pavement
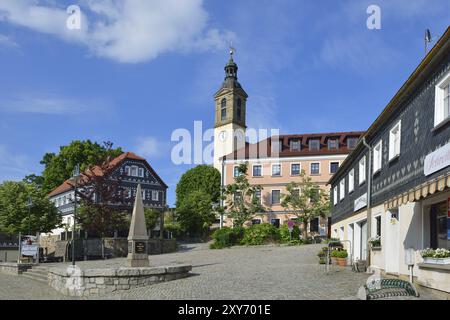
x,y
266,272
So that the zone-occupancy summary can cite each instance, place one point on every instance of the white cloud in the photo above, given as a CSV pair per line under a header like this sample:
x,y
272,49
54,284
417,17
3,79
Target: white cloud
x,y
7,42
150,147
12,166
50,104
128,31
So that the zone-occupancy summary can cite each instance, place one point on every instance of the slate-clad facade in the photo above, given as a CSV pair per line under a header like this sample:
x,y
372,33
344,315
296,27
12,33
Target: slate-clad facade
x,y
131,170
403,202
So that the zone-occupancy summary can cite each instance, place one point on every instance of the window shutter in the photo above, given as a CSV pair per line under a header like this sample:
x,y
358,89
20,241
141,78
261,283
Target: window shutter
x,y
438,106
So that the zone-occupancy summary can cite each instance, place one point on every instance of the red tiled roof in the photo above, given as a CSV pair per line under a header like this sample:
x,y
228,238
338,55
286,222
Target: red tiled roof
x,y
96,170
263,149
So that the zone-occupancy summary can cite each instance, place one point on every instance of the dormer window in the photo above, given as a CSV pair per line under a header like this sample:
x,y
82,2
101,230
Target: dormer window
x,y
277,145
295,145
351,143
223,109
134,171
314,145
333,144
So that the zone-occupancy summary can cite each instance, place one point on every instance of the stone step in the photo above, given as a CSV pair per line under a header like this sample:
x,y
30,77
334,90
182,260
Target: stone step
x,y
35,277
39,271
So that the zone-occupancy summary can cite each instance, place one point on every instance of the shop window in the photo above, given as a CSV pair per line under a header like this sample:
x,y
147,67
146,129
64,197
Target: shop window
x,y
438,226
314,225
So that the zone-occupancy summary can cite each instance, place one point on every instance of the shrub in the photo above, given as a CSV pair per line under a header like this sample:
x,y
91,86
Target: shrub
x,y
342,254
259,234
226,237
334,253
285,235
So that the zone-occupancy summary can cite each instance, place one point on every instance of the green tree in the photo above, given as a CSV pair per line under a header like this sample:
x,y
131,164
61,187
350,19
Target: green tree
x,y
240,197
201,178
59,167
152,218
195,213
306,200
14,212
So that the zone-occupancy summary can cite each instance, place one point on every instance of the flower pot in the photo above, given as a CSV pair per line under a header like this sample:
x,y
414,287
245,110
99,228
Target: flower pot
x,y
334,260
436,260
342,262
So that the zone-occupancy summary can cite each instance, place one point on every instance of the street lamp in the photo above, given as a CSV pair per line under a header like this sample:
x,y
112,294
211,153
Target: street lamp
x,y
29,205
75,177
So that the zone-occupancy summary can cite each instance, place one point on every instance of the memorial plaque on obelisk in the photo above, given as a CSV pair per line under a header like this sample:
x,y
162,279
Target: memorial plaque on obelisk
x,y
137,237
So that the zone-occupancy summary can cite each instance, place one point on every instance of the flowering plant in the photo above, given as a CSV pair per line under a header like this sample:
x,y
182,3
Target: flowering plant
x,y
375,242
437,254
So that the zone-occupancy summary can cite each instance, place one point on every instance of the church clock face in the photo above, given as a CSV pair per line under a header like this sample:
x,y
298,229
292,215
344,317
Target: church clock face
x,y
223,136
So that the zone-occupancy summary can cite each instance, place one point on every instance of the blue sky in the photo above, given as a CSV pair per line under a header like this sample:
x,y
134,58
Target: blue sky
x,y
137,70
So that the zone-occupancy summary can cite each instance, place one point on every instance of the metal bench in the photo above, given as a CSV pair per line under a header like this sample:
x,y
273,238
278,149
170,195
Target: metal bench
x,y
385,288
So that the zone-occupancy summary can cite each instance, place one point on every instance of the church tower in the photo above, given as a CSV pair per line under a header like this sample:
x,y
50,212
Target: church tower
x,y
230,107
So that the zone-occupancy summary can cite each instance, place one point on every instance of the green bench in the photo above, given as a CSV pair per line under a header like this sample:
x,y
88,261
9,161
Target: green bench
x,y
385,288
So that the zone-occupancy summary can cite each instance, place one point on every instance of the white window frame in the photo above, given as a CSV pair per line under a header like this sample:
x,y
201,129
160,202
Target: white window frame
x,y
258,165
234,171
141,172
394,145
300,166
137,171
342,189
281,170
377,157
271,196
362,170
310,171
439,101
155,195
329,166
351,181
127,171
260,196
335,195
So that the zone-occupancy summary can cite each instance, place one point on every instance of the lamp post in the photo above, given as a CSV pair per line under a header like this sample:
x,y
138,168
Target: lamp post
x,y
75,177
29,205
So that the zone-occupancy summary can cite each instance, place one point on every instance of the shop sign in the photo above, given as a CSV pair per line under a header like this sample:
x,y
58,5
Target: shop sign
x,y
361,202
437,160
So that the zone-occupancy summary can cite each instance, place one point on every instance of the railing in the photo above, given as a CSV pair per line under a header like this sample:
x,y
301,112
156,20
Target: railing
x,y
328,251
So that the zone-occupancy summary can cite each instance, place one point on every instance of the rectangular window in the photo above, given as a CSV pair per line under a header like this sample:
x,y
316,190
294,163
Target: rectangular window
x,y
394,141
362,170
127,171
134,171
332,144
141,172
335,195
237,197
296,192
295,169
275,222
342,189
314,225
378,226
442,101
315,168
334,166
155,195
351,143
235,171
314,145
275,199
438,226
257,196
351,180
276,170
377,156
256,221
295,145
257,170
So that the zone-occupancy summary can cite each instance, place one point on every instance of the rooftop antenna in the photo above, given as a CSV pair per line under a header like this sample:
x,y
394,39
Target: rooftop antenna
x,y
427,39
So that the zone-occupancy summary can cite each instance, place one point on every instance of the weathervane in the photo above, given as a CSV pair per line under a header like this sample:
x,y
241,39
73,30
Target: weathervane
x,y
232,49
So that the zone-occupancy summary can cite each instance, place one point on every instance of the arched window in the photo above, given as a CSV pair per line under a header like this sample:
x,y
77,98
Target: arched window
x,y
223,109
239,109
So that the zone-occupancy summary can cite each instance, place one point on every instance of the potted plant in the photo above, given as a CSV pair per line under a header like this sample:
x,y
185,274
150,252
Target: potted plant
x,y
438,256
342,258
375,243
322,257
334,256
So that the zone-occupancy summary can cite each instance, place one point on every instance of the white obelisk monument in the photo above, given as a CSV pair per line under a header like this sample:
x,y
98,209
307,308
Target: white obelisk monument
x,y
137,237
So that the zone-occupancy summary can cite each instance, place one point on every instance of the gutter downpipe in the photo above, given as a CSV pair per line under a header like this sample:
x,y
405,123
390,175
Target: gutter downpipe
x,y
369,199
221,192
